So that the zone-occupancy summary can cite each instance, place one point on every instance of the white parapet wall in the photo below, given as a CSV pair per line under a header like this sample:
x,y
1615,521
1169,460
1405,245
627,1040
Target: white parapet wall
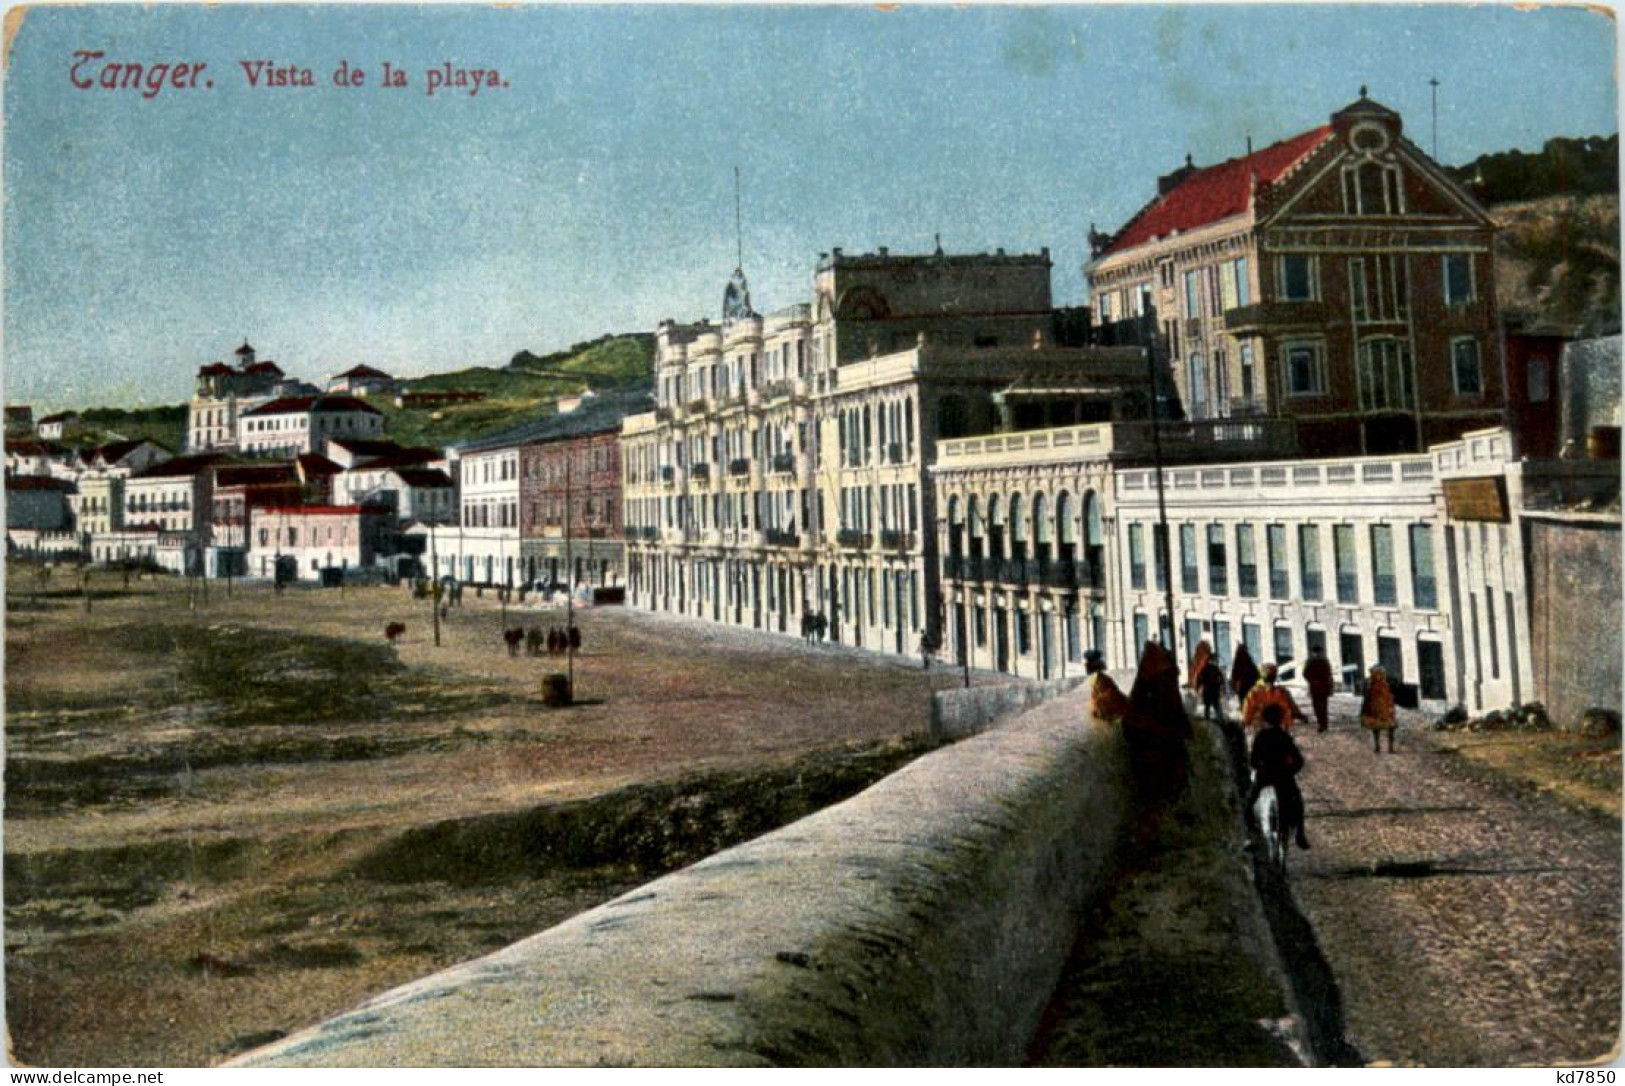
x,y
925,921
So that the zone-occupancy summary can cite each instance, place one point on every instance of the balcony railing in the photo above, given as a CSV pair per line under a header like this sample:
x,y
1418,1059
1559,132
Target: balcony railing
x,y
894,453
894,540
853,539
738,466
1275,314
700,472
699,407
784,463
779,538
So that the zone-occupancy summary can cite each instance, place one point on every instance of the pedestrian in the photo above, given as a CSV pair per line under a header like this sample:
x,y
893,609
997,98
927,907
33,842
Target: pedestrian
x,y
1155,727
1276,762
925,654
1199,658
1377,710
1243,673
1210,684
1267,692
1318,674
806,627
573,638
1107,702
820,626
533,642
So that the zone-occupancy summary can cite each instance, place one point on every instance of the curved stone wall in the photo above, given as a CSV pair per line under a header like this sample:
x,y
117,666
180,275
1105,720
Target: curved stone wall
x,y
922,922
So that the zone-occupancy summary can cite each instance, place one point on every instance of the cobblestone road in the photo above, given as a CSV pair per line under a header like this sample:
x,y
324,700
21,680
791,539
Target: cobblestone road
x,y
1464,924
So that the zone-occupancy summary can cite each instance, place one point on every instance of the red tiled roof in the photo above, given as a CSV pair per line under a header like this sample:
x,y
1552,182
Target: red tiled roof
x,y
27,446
264,367
252,474
60,416
215,369
245,348
365,371
114,451
1215,192
410,457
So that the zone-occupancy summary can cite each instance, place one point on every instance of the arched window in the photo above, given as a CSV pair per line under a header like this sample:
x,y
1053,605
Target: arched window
x,y
976,524
1066,527
1041,527
955,527
995,528
1018,528
1094,548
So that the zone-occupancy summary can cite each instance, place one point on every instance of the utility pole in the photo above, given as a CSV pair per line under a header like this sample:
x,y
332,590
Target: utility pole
x,y
434,583
1166,548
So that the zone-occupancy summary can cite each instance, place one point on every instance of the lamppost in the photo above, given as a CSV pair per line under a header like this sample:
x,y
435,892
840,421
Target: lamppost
x,y
1166,545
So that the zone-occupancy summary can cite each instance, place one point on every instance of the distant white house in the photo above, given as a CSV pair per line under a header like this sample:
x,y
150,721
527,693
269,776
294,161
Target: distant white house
x,y
63,426
293,425
363,381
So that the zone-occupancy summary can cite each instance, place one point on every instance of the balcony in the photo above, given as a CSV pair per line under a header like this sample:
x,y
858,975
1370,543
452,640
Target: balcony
x,y
699,407
893,540
664,414
852,539
894,453
1266,315
738,466
784,463
778,538
701,473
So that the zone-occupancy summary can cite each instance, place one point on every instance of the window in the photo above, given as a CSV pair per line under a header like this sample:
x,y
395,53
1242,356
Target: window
x,y
1187,560
1371,189
1218,579
1142,632
1383,589
1240,286
1193,634
1343,557
1357,299
1464,367
1424,588
1160,556
1253,638
1297,278
1539,381
1283,644
1275,537
1385,376
1196,382
1221,642
1136,556
1309,561
1247,379
1193,296
1303,369
1246,562
1458,279
1024,641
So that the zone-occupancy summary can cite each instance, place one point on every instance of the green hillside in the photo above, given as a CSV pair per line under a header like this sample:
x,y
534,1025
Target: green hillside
x,y
1558,262
524,389
166,425
1563,167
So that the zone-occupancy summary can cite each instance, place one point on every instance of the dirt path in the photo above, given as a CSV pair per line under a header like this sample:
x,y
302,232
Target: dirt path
x,y
1466,921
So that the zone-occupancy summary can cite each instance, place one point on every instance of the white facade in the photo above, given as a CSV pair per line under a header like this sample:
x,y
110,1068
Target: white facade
x,y
301,424
489,488
172,502
478,556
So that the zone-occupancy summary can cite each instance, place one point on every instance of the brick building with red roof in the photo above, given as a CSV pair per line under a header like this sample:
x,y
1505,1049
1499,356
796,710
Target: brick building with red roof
x,y
1338,279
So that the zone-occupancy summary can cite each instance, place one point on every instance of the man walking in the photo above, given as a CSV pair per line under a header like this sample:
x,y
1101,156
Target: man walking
x,y
1318,674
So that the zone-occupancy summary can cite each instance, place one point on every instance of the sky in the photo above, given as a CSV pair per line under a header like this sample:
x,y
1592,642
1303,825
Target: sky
x,y
593,191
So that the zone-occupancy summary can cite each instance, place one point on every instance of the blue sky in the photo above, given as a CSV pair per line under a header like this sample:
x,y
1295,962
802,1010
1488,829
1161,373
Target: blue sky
x,y
144,238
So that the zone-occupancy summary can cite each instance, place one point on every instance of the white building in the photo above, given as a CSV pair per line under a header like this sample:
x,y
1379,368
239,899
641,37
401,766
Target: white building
x,y
292,425
63,426
173,495
784,468
307,539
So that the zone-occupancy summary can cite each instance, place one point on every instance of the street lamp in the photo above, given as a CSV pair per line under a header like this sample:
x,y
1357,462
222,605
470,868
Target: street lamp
x,y
1166,556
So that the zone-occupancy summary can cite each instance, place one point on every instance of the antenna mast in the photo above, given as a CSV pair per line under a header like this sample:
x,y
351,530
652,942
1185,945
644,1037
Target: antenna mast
x,y
739,222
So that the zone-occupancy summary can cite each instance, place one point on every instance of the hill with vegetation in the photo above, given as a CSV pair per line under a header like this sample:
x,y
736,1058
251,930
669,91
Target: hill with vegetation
x,y
165,425
525,389
1558,250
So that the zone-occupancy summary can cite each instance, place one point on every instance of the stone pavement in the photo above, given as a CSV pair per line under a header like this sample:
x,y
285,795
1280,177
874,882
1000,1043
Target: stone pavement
x,y
1465,923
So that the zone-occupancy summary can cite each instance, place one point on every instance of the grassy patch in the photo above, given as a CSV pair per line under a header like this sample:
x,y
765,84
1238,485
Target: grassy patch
x,y
1583,771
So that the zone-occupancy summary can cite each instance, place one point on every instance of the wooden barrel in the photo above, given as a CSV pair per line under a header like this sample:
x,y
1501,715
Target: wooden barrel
x,y
556,689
